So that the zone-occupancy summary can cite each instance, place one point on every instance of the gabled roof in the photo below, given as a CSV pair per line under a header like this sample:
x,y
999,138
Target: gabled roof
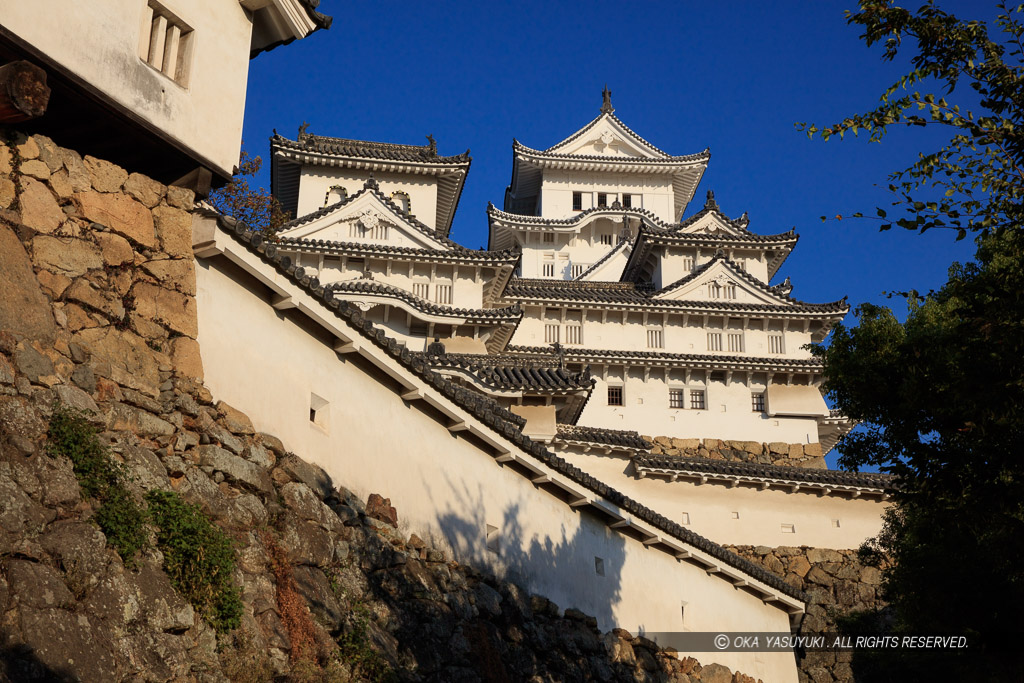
x,y
372,189
686,170
534,378
288,157
279,22
710,361
736,226
503,423
506,257
508,314
624,247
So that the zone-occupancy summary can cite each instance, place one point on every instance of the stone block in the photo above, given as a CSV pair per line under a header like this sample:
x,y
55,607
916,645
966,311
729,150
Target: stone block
x,y
82,291
235,420
179,274
753,447
67,255
75,398
121,214
49,152
686,444
234,467
144,189
798,565
174,310
25,310
175,229
34,168
114,249
61,185
53,284
78,174
123,417
815,464
26,147
5,159
38,207
180,197
105,176
813,450
380,508
819,555
778,447
311,475
185,358
796,451
123,357
8,191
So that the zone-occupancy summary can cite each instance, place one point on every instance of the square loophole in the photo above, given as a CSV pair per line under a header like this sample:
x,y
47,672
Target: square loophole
x,y
319,411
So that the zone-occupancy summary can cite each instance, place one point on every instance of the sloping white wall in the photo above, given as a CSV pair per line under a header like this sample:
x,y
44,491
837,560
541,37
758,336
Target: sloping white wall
x,y
448,488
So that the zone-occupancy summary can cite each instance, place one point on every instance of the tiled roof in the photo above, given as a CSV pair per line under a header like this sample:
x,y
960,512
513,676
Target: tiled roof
x,y
502,421
634,294
606,159
781,472
583,131
494,212
533,377
581,354
506,314
711,206
621,246
322,144
320,21
461,254
610,437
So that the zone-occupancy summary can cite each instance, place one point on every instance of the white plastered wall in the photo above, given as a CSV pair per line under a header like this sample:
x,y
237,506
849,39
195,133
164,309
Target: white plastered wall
x,y
448,489
651,192
205,115
744,515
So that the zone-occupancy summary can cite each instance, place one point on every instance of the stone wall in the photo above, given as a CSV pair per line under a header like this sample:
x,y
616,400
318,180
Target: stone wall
x,y
99,314
837,584
773,453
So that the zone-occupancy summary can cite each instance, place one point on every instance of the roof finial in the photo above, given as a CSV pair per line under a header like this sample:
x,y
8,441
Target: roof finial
x,y
303,127
710,202
433,143
606,107
371,183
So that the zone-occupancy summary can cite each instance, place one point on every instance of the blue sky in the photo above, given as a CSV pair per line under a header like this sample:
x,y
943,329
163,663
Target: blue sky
x,y
734,77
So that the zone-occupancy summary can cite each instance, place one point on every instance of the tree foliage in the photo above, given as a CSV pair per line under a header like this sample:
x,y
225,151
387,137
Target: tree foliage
x,y
257,208
940,396
975,182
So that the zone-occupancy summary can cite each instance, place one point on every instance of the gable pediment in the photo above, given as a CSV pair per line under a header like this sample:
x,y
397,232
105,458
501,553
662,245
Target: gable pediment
x,y
605,137
710,223
722,282
365,218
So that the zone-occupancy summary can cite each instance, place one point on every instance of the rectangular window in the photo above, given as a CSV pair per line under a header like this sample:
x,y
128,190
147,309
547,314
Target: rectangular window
x,y
577,201
714,290
578,269
776,344
606,240
730,291
687,264
697,399
615,396
549,238
602,200
492,538
627,201
655,338
574,334
165,43
551,333
736,341
421,289
548,269
443,294
757,402
714,341
684,518
675,398
318,411
788,528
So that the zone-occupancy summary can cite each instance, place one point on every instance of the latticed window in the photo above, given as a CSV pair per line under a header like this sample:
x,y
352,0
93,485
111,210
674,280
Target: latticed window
x,y
550,333
697,401
736,341
165,43
421,289
675,398
729,291
443,294
549,238
757,402
714,290
776,343
578,269
688,264
574,334
627,201
548,269
606,240
615,396
714,341
602,199
655,338
577,201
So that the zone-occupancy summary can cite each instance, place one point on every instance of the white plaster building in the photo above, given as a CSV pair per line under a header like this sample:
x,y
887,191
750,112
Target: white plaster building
x,y
157,86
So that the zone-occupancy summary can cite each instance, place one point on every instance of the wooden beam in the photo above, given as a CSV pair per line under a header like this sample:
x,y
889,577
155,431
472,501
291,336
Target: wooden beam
x,y
198,180
23,92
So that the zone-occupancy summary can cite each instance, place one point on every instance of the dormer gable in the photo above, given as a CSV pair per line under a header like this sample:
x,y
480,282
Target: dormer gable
x,y
611,265
606,136
722,280
710,221
366,217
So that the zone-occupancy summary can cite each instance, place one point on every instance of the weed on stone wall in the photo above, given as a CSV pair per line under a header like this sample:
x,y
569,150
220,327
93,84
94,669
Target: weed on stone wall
x,y
198,557
101,478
